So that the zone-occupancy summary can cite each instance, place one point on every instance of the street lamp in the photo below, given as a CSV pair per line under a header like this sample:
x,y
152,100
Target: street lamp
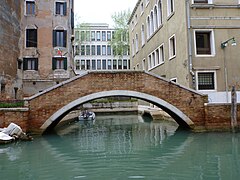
x,y
223,45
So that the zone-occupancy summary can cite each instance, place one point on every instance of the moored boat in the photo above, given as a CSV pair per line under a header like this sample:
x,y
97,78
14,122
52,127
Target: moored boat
x,y
87,115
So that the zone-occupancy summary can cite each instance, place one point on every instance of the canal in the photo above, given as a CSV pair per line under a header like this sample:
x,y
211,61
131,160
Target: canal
x,y
123,147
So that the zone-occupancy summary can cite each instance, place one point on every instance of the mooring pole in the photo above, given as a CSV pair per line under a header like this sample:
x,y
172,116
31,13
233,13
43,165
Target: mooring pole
x,y
234,109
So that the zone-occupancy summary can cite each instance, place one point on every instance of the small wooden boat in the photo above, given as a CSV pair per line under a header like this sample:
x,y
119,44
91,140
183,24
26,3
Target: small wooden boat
x,y
87,116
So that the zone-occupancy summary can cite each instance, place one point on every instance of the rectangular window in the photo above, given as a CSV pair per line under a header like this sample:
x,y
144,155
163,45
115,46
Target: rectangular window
x,y
31,38
104,64
59,38
144,64
82,35
93,38
77,35
103,35
157,57
149,61
87,50
172,47
114,64
206,81
109,50
93,49
103,49
30,64
125,64
61,8
82,64
88,64
87,35
30,7
77,64
77,50
93,64
203,42
162,59
119,64
109,64
98,36
109,36
98,50
59,63
99,64
82,50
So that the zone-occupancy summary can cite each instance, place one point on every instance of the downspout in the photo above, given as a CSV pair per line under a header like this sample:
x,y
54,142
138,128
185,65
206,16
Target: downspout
x,y
189,43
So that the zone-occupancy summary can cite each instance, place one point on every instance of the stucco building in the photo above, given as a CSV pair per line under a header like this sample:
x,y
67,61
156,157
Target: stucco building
x,y
46,43
93,51
10,31
185,41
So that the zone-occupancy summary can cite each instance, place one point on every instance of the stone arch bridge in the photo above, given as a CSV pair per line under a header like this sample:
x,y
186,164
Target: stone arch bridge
x,y
47,108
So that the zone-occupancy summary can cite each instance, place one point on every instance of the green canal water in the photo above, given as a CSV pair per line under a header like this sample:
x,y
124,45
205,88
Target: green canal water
x,y
123,147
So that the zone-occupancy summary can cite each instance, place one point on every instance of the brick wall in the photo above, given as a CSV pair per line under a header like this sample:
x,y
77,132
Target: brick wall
x,y
10,15
18,116
218,117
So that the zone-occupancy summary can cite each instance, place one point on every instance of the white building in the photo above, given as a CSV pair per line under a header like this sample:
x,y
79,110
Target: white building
x,y
93,51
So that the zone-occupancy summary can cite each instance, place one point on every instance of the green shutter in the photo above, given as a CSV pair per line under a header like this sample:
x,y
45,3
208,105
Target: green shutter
x,y
64,38
53,63
65,63
65,9
25,64
54,38
36,64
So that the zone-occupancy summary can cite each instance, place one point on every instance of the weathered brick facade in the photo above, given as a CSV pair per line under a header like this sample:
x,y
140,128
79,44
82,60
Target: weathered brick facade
x,y
10,31
44,105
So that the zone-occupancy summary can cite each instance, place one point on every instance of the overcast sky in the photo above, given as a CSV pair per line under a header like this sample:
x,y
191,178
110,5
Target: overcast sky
x,y
100,11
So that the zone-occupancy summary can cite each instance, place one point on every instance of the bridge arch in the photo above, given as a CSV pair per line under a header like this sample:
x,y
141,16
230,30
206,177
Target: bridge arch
x,y
181,118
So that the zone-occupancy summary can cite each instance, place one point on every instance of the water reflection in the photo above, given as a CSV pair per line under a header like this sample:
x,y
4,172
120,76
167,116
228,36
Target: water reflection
x,y
123,148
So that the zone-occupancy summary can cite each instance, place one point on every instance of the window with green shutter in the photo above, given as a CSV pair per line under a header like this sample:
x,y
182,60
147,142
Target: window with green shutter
x,y
59,63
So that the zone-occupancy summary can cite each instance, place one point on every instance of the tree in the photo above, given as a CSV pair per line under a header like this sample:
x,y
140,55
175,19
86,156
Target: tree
x,y
120,40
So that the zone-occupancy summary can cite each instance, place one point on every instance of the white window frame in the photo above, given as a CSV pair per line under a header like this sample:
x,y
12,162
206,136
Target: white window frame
x,y
25,9
162,54
144,64
136,43
212,43
209,2
143,34
215,80
160,13
142,8
170,47
169,4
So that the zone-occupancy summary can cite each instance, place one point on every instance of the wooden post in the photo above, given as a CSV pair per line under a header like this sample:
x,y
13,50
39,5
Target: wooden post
x,y
234,109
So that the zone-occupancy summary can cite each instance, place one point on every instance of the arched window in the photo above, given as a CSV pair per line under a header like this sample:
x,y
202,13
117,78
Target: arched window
x,y
148,27
143,34
155,18
159,12
151,24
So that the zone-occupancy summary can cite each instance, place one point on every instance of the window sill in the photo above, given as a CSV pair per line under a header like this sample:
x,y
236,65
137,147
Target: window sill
x,y
171,58
156,66
204,56
170,16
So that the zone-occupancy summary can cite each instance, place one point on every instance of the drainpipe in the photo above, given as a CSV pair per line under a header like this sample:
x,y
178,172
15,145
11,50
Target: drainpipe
x,y
189,42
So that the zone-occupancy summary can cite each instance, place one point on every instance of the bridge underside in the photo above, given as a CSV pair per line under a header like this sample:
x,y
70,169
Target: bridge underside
x,y
183,120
